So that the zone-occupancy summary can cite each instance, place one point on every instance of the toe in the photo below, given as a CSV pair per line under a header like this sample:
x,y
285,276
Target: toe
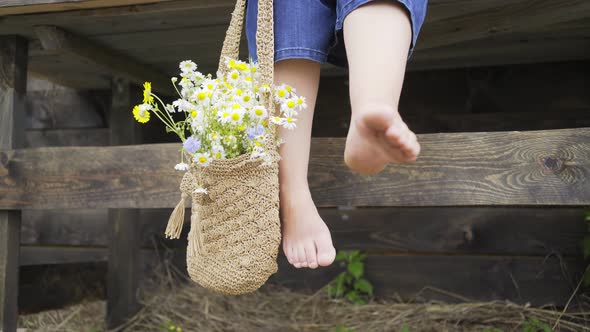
x,y
291,256
325,250
311,254
301,257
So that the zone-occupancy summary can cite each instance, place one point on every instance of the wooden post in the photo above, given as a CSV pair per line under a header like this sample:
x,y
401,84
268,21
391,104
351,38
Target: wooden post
x,y
123,272
13,85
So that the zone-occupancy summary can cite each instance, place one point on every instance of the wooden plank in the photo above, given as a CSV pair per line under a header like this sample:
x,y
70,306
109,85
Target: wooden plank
x,y
535,280
124,269
59,40
10,222
37,255
453,230
13,7
506,19
13,83
66,137
469,169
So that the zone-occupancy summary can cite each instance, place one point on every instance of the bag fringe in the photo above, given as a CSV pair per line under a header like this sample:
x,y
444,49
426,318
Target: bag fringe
x,y
174,227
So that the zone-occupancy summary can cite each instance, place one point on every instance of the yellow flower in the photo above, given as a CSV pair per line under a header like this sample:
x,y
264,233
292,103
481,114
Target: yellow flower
x,y
141,115
147,90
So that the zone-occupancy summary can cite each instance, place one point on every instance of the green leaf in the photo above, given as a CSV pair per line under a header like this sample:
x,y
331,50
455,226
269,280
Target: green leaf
x,y
340,279
405,328
360,301
356,269
364,286
587,216
341,256
340,328
354,255
352,296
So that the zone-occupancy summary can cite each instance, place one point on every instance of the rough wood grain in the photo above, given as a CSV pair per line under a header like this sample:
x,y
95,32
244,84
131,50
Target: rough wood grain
x,y
10,222
124,268
515,17
538,281
50,255
66,137
453,230
58,40
12,7
13,83
500,168
124,224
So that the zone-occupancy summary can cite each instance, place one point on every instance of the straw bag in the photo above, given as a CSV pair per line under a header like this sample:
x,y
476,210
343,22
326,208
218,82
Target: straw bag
x,y
235,227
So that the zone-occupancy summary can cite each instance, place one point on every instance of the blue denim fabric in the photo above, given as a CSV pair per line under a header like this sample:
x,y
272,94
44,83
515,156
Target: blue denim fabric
x,y
312,29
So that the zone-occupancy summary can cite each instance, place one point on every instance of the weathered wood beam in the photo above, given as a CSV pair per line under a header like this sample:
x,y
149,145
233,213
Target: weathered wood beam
x,y
123,270
446,230
13,85
517,16
14,7
501,168
58,40
67,137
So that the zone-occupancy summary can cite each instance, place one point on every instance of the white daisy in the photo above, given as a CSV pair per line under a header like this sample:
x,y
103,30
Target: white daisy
x,y
202,159
258,112
187,66
200,191
301,103
183,105
145,107
277,120
181,167
289,122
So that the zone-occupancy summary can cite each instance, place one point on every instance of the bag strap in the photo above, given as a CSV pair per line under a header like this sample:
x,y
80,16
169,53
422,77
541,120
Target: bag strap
x,y
264,38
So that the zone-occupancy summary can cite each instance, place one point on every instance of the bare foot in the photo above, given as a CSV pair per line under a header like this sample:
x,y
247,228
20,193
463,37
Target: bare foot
x,y
306,238
376,137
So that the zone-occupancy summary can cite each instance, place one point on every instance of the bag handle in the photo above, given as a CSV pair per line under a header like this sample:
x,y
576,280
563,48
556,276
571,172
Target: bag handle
x,y
264,39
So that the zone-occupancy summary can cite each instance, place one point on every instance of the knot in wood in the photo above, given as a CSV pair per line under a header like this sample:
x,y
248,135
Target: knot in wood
x,y
552,164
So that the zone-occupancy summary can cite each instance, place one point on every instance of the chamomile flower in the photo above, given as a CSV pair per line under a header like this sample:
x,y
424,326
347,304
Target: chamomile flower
x,y
258,113
218,151
200,190
202,158
187,66
289,122
233,77
246,99
223,115
183,105
289,107
281,93
181,167
236,115
301,102
277,120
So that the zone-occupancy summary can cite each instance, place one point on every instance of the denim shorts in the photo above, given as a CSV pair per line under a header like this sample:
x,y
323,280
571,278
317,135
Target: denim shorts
x,y
312,29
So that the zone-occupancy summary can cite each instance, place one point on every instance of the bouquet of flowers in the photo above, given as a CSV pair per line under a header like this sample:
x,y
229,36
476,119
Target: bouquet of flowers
x,y
224,117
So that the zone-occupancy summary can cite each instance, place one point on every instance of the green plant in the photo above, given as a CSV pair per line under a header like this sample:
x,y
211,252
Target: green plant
x,y
493,329
405,328
534,325
586,249
169,327
350,283
342,328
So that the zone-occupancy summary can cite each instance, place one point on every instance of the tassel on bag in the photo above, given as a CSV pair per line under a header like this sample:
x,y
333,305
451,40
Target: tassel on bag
x,y
174,227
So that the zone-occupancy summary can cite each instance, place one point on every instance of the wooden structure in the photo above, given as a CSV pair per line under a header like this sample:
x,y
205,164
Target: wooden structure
x,y
493,214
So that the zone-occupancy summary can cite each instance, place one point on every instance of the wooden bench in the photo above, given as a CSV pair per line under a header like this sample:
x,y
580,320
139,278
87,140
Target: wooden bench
x,y
476,215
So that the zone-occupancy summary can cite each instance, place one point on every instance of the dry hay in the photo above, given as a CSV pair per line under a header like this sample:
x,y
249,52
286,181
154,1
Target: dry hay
x,y
272,308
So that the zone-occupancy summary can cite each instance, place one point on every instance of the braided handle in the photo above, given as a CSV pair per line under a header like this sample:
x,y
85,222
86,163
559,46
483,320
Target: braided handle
x,y
264,38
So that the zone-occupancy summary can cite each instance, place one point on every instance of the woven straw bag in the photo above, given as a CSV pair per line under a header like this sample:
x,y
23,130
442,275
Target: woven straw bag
x,y
235,229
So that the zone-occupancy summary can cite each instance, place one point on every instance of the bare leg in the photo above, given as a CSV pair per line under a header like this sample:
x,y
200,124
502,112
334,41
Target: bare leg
x,y
377,37
306,239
